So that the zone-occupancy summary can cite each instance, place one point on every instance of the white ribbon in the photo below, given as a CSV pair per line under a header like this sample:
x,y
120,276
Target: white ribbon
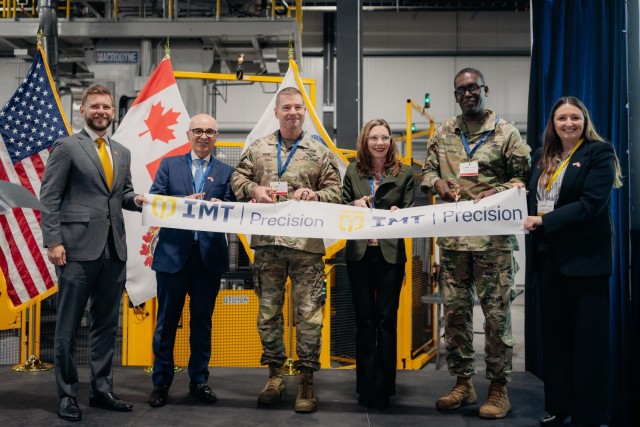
x,y
502,213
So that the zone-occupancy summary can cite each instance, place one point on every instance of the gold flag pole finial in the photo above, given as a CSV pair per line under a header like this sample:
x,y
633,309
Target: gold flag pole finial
x,y
167,49
291,54
39,36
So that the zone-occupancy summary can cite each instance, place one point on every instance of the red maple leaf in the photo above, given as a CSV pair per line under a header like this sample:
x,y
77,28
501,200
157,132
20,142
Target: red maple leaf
x,y
158,123
148,247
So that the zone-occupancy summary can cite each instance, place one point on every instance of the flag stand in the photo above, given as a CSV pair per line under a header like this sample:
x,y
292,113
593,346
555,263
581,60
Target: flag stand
x,y
33,363
288,368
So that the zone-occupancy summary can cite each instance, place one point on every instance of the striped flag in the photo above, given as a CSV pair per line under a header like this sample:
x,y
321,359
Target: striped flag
x,y
155,126
29,124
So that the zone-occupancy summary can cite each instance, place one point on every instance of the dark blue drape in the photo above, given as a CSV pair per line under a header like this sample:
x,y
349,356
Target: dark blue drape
x,y
579,49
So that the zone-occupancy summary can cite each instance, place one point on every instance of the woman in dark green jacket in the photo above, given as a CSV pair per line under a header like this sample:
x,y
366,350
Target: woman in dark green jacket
x,y
376,267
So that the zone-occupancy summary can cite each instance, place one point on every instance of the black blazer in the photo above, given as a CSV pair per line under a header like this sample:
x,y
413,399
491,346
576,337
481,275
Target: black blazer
x,y
394,191
578,233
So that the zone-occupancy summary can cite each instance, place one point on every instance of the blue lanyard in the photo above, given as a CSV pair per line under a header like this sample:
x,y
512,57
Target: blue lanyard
x,y
281,169
373,191
198,186
482,140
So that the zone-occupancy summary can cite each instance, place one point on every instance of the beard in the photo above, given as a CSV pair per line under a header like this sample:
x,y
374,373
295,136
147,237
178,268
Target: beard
x,y
98,124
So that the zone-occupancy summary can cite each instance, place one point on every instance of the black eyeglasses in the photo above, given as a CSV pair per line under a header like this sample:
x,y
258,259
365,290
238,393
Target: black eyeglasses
x,y
473,89
210,133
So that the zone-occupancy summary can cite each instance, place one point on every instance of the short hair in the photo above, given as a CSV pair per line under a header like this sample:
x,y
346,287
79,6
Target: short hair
x,y
287,91
471,71
96,90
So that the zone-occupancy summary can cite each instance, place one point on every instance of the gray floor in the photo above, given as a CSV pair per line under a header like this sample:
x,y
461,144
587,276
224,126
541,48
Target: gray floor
x,y
28,399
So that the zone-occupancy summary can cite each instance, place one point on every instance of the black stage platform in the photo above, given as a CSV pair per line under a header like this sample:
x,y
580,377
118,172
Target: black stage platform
x,y
28,399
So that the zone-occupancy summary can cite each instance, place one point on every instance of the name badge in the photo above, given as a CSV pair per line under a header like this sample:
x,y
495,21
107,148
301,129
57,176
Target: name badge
x,y
469,169
545,206
281,187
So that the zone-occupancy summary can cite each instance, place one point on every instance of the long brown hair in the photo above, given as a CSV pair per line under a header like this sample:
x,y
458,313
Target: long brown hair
x,y
552,148
364,162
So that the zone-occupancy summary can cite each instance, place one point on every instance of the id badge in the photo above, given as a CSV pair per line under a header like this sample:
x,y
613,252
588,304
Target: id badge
x,y
281,187
545,206
469,169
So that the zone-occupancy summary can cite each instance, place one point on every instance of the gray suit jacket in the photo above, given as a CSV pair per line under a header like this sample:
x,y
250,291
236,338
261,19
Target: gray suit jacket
x,y
81,206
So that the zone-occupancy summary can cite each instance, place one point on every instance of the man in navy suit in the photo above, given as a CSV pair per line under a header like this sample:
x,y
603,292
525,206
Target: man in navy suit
x,y
189,262
86,184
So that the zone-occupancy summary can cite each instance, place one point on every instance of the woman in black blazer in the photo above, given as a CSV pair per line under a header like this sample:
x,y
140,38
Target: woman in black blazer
x,y
572,249
376,267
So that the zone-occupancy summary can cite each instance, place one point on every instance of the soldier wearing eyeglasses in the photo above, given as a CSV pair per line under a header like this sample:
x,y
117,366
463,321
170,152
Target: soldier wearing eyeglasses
x,y
189,262
471,156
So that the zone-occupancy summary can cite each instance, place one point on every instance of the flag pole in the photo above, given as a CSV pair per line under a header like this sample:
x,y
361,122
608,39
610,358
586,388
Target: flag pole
x,y
288,368
32,314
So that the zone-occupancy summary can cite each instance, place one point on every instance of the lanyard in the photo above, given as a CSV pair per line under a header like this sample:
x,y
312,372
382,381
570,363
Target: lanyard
x,y
373,191
198,186
281,168
563,164
482,140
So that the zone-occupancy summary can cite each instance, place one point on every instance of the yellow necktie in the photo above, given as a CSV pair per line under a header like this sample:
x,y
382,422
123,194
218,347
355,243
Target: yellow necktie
x,y
105,160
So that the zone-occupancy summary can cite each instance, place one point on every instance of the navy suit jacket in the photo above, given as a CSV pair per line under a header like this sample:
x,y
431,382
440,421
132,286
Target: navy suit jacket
x,y
174,178
578,233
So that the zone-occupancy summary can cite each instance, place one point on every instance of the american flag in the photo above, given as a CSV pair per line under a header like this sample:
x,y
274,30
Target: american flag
x,y
29,124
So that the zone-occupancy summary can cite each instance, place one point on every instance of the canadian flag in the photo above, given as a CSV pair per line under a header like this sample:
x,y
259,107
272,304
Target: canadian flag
x,y
155,127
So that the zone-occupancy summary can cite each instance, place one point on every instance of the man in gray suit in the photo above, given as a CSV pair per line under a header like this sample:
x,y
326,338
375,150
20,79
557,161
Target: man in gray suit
x,y
86,184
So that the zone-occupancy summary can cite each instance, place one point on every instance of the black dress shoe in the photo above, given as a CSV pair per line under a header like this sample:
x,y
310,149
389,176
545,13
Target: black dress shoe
x,y
109,401
69,410
159,396
203,392
553,420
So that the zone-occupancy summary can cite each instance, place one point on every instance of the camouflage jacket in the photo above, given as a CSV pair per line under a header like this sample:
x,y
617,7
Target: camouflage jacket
x,y
312,166
503,159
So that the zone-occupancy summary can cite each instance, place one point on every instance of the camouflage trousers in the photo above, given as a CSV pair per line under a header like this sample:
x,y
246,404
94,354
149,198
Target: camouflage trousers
x,y
489,275
272,265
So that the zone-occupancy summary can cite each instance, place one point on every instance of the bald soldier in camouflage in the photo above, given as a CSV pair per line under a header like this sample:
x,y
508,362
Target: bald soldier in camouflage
x,y
472,156
289,162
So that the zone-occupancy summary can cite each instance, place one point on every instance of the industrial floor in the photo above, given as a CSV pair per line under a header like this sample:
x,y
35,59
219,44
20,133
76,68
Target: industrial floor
x,y
28,399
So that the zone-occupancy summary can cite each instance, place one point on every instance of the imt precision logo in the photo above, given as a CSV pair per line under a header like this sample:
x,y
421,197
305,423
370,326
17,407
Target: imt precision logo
x,y
351,220
163,206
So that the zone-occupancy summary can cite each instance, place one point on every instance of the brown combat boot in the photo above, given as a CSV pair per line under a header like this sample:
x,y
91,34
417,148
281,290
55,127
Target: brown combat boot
x,y
306,401
462,394
497,404
275,388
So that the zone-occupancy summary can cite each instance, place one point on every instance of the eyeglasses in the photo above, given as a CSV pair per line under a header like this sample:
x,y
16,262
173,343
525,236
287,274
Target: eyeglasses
x,y
384,139
473,89
210,133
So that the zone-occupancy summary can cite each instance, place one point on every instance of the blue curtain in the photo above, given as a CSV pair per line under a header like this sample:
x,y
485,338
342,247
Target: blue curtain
x,y
579,49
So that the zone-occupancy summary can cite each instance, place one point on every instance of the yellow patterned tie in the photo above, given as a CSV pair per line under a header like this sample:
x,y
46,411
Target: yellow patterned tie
x,y
105,160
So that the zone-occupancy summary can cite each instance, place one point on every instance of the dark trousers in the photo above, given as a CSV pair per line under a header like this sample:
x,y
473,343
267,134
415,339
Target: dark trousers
x,y
375,289
101,283
202,287
575,338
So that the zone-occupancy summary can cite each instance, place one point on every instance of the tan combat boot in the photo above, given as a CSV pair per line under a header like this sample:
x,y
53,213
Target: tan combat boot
x,y
497,404
306,401
275,388
462,394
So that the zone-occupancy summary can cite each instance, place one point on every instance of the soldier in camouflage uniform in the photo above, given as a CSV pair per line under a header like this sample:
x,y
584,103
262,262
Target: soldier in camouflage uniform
x,y
288,161
472,156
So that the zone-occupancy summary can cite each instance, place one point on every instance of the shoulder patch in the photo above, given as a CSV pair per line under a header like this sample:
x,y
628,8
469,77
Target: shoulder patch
x,y
319,139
